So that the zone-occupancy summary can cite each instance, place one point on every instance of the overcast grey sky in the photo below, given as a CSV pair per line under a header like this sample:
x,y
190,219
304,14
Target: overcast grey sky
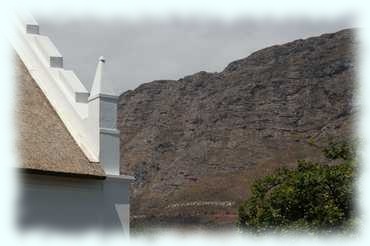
x,y
143,51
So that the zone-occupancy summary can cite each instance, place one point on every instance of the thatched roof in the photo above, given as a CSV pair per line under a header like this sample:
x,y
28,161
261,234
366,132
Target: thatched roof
x,y
45,144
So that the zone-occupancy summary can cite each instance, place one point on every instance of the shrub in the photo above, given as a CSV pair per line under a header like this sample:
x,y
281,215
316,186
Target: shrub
x,y
312,196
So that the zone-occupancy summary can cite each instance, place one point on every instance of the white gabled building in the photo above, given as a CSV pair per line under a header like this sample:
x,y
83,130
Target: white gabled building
x,y
68,142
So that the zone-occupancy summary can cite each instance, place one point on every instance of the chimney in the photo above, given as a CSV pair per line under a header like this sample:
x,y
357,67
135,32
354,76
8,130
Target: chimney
x,y
102,111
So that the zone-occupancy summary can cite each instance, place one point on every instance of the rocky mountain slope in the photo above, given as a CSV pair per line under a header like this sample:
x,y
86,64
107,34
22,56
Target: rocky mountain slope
x,y
195,145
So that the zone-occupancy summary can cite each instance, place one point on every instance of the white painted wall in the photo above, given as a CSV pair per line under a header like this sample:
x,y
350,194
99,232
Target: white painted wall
x,y
73,204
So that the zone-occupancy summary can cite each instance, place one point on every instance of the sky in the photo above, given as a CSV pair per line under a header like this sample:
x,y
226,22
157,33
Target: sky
x,y
138,52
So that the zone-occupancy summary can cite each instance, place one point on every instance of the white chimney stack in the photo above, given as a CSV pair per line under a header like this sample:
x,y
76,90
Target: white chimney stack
x,y
102,118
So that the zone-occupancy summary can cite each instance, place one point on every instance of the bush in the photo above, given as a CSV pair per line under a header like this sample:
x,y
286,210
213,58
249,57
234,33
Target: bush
x,y
312,196
340,150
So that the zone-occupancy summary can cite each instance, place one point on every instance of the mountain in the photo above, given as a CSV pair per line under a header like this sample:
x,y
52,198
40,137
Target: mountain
x,y
196,144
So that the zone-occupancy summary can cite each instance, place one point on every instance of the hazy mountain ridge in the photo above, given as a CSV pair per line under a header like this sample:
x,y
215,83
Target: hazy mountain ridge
x,y
203,139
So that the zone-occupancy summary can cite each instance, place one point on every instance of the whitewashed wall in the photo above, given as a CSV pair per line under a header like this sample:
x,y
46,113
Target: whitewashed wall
x,y
73,204
53,202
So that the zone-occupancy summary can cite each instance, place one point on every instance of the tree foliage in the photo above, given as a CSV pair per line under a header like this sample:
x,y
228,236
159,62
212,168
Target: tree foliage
x,y
312,196
340,150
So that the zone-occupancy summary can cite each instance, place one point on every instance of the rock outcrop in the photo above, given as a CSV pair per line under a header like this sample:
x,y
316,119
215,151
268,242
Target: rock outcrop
x,y
195,145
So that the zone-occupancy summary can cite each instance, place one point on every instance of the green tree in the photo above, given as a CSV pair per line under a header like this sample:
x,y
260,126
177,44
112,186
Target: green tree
x,y
340,150
312,196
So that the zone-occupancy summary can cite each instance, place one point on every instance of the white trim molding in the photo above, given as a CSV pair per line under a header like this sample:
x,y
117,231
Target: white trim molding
x,y
90,117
